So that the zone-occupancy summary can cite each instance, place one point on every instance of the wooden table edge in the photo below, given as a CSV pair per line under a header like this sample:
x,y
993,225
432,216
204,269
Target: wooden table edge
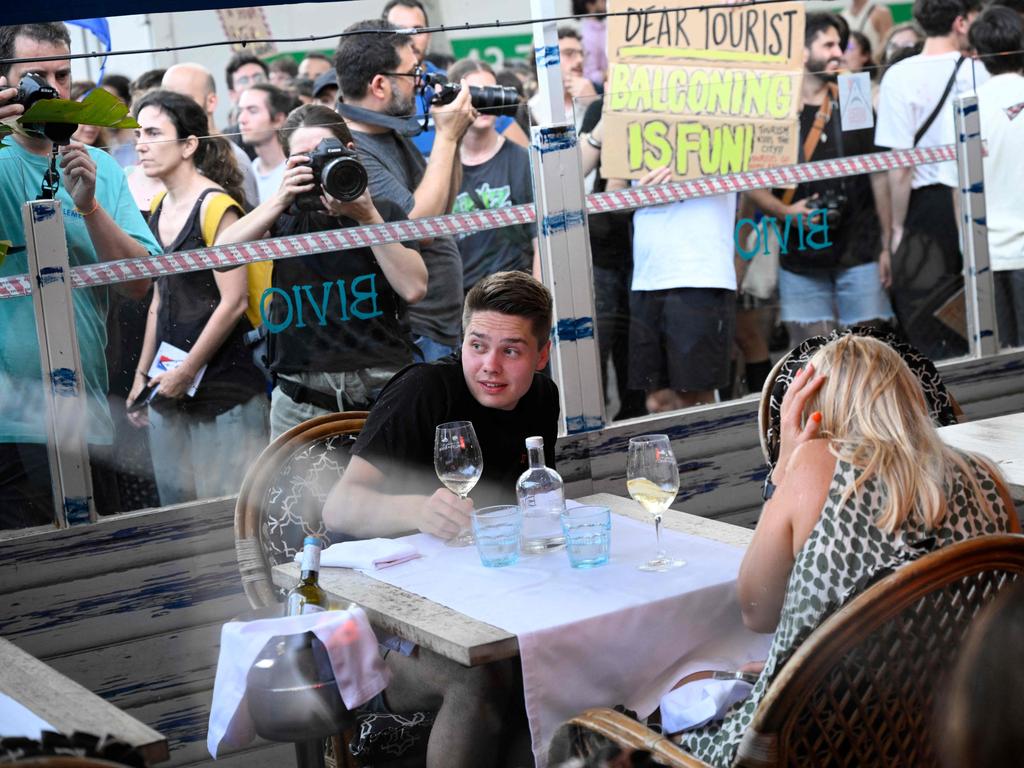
x,y
24,675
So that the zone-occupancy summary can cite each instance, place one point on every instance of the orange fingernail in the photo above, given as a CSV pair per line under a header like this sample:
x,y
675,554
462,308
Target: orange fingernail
x,y
816,416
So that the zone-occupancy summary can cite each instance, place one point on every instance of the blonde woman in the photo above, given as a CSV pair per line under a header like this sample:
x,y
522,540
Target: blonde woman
x,y
862,485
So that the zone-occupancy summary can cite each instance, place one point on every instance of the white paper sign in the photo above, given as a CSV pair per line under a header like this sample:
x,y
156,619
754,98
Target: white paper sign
x,y
167,358
855,110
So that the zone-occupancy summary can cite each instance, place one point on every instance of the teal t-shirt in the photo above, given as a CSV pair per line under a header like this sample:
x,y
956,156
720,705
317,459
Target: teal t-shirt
x,y
22,407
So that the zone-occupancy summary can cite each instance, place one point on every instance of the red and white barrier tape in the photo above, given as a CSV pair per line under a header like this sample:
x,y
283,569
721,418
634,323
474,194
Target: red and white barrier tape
x,y
125,270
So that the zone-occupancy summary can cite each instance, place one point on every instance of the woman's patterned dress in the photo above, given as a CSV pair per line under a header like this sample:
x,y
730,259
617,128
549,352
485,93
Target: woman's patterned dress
x,y
843,554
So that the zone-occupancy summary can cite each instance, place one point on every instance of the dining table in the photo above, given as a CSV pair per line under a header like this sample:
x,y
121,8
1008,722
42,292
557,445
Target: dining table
x,y
35,697
1000,439
599,637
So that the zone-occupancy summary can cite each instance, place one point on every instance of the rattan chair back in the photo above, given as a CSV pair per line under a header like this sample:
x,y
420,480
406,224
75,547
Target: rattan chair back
x,y
942,405
282,496
861,690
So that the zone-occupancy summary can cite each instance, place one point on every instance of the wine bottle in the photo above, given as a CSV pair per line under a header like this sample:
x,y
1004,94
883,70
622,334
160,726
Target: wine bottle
x,y
307,596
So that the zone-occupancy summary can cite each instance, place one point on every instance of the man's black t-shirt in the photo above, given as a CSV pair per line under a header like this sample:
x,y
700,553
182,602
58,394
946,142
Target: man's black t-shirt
x,y
335,311
398,437
858,237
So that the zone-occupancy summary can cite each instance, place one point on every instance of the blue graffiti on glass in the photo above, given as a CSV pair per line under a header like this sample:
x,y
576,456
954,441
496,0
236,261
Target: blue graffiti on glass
x,y
808,226
352,305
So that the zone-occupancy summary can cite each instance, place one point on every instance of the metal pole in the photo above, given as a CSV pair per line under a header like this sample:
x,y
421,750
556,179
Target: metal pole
x,y
979,289
564,239
60,362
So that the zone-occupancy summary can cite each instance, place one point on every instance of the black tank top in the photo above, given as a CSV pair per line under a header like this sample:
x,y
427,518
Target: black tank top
x,y
186,303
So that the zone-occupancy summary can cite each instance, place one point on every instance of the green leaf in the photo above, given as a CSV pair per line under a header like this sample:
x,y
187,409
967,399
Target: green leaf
x,y
98,108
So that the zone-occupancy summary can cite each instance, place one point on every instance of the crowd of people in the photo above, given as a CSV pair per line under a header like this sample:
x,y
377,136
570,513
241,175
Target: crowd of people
x,y
266,348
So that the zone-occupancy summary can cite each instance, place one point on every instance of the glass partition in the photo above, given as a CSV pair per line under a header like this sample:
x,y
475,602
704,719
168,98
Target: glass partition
x,y
694,301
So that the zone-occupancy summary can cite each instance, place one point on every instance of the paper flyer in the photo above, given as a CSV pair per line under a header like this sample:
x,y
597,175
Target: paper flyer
x,y
855,110
168,357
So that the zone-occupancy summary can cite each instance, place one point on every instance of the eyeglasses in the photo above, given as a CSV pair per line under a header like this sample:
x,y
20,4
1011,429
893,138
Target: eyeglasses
x,y
242,81
417,73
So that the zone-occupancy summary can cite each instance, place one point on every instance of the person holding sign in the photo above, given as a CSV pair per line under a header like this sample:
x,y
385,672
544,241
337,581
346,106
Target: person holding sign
x,y
833,266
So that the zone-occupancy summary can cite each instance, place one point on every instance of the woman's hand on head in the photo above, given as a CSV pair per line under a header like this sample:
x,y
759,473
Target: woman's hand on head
x,y
792,430
298,178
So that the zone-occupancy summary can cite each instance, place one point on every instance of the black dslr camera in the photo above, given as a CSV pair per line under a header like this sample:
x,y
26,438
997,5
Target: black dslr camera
x,y
33,88
832,201
336,171
493,99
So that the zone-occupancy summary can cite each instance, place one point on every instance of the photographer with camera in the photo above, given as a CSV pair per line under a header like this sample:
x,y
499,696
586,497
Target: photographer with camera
x,y
834,268
380,77
336,320
102,223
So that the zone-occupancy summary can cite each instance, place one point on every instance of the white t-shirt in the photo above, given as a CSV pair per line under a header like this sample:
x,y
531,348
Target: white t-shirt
x,y
268,182
908,94
685,245
1004,168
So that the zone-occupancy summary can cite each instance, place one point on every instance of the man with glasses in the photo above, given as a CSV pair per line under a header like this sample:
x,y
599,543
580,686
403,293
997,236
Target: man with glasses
x,y
577,91
244,70
379,77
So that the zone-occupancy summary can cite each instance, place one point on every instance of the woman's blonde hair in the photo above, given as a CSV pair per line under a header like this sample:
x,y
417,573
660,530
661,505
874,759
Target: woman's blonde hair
x,y
875,416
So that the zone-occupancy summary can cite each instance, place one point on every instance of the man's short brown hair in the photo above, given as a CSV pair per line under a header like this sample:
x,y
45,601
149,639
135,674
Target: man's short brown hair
x,y
55,32
512,293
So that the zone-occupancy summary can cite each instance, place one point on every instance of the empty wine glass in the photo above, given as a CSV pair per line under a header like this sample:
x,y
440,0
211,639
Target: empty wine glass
x,y
652,478
459,464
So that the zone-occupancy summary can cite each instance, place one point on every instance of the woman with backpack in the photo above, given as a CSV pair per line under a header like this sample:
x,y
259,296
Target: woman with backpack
x,y
205,402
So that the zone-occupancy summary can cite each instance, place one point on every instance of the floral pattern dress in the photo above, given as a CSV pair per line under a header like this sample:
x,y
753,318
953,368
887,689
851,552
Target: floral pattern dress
x,y
844,553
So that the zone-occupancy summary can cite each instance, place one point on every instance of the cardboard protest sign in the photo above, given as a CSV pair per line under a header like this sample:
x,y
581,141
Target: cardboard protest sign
x,y
703,90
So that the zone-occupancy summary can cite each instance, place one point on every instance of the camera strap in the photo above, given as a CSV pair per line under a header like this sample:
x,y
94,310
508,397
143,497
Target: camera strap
x,y
938,107
814,135
51,178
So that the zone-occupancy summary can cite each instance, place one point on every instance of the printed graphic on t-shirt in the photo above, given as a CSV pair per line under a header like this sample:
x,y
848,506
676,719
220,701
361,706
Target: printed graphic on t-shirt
x,y
491,197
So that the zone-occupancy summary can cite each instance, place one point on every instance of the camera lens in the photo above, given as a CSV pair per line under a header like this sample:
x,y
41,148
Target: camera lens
x,y
344,179
494,99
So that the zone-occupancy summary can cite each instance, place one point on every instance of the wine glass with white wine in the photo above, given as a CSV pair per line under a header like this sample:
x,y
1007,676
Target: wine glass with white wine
x,y
459,464
652,477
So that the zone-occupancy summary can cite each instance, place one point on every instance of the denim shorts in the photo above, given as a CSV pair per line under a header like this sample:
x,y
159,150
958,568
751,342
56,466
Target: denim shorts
x,y
852,295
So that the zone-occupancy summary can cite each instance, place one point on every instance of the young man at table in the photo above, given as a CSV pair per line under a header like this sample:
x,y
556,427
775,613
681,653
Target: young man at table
x,y
390,488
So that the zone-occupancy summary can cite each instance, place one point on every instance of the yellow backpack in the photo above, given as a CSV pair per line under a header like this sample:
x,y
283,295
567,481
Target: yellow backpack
x,y
258,274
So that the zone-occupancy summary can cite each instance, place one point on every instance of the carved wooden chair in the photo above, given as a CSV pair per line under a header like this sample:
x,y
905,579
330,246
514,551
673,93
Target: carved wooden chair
x,y
942,405
861,690
279,504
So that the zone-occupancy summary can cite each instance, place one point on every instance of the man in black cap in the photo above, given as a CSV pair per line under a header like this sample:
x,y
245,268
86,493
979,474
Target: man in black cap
x,y
325,88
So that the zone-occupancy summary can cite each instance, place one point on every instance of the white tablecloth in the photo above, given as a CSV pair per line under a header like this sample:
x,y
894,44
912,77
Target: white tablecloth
x,y
598,637
17,720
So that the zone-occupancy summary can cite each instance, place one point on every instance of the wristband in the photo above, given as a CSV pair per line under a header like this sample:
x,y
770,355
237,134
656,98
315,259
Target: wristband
x,y
95,207
142,373
589,137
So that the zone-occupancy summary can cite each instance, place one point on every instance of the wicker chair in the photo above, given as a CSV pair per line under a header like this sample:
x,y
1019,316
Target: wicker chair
x,y
282,496
279,504
861,689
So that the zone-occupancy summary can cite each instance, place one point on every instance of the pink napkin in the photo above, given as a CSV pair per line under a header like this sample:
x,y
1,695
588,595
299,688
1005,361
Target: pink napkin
x,y
366,554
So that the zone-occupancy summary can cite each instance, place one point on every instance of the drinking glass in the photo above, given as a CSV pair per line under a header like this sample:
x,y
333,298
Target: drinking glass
x,y
497,531
459,464
652,478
